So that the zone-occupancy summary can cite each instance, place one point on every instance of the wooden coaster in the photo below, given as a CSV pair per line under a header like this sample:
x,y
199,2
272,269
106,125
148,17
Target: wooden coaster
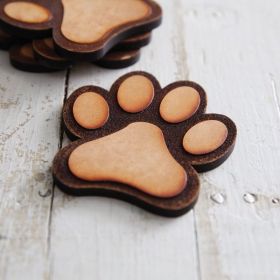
x,y
135,42
103,25
125,25
46,55
119,59
27,19
135,138
6,40
22,57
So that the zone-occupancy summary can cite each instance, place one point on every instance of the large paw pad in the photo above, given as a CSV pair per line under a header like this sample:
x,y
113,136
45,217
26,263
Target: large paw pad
x,y
139,143
122,157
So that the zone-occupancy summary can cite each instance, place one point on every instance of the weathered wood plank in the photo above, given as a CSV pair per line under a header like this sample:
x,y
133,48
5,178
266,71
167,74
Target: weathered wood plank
x,y
29,135
101,238
233,50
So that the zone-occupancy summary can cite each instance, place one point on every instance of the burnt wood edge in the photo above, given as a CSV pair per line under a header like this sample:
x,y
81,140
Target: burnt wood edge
x,y
6,40
26,30
48,62
25,33
118,64
169,207
26,64
41,53
132,200
96,51
210,166
134,45
6,44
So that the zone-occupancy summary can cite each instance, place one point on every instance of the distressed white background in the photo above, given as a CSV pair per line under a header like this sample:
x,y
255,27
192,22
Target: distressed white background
x,y
230,47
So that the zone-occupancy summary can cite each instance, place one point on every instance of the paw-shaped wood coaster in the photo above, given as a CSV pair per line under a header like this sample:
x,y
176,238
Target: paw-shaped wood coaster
x,y
81,29
22,57
141,143
113,21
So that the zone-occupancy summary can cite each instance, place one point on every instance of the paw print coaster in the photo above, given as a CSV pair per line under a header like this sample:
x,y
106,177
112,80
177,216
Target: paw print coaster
x,y
22,57
46,55
91,37
109,33
103,24
141,143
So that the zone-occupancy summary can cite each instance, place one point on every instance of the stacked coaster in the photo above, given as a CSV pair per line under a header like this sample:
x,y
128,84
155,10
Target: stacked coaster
x,y
45,35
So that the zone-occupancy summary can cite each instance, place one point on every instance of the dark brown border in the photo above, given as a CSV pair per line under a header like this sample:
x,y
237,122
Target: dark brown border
x,y
114,60
47,56
212,160
6,40
134,43
24,63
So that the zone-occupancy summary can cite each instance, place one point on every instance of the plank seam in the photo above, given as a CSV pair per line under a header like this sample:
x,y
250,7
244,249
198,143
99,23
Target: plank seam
x,y
179,45
61,132
197,246
275,95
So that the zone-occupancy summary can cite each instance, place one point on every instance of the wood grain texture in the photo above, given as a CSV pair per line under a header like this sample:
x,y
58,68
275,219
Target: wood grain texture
x,y
29,136
229,47
132,242
232,51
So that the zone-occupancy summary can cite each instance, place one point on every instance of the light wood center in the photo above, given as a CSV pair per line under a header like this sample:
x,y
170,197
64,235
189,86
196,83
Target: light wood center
x,y
135,94
205,137
136,155
87,21
179,104
91,110
27,12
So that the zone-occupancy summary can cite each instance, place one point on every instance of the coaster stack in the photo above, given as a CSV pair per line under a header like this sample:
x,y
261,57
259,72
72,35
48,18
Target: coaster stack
x,y
46,36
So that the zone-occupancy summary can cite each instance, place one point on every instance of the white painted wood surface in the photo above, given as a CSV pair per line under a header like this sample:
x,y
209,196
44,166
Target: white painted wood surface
x,y
232,49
